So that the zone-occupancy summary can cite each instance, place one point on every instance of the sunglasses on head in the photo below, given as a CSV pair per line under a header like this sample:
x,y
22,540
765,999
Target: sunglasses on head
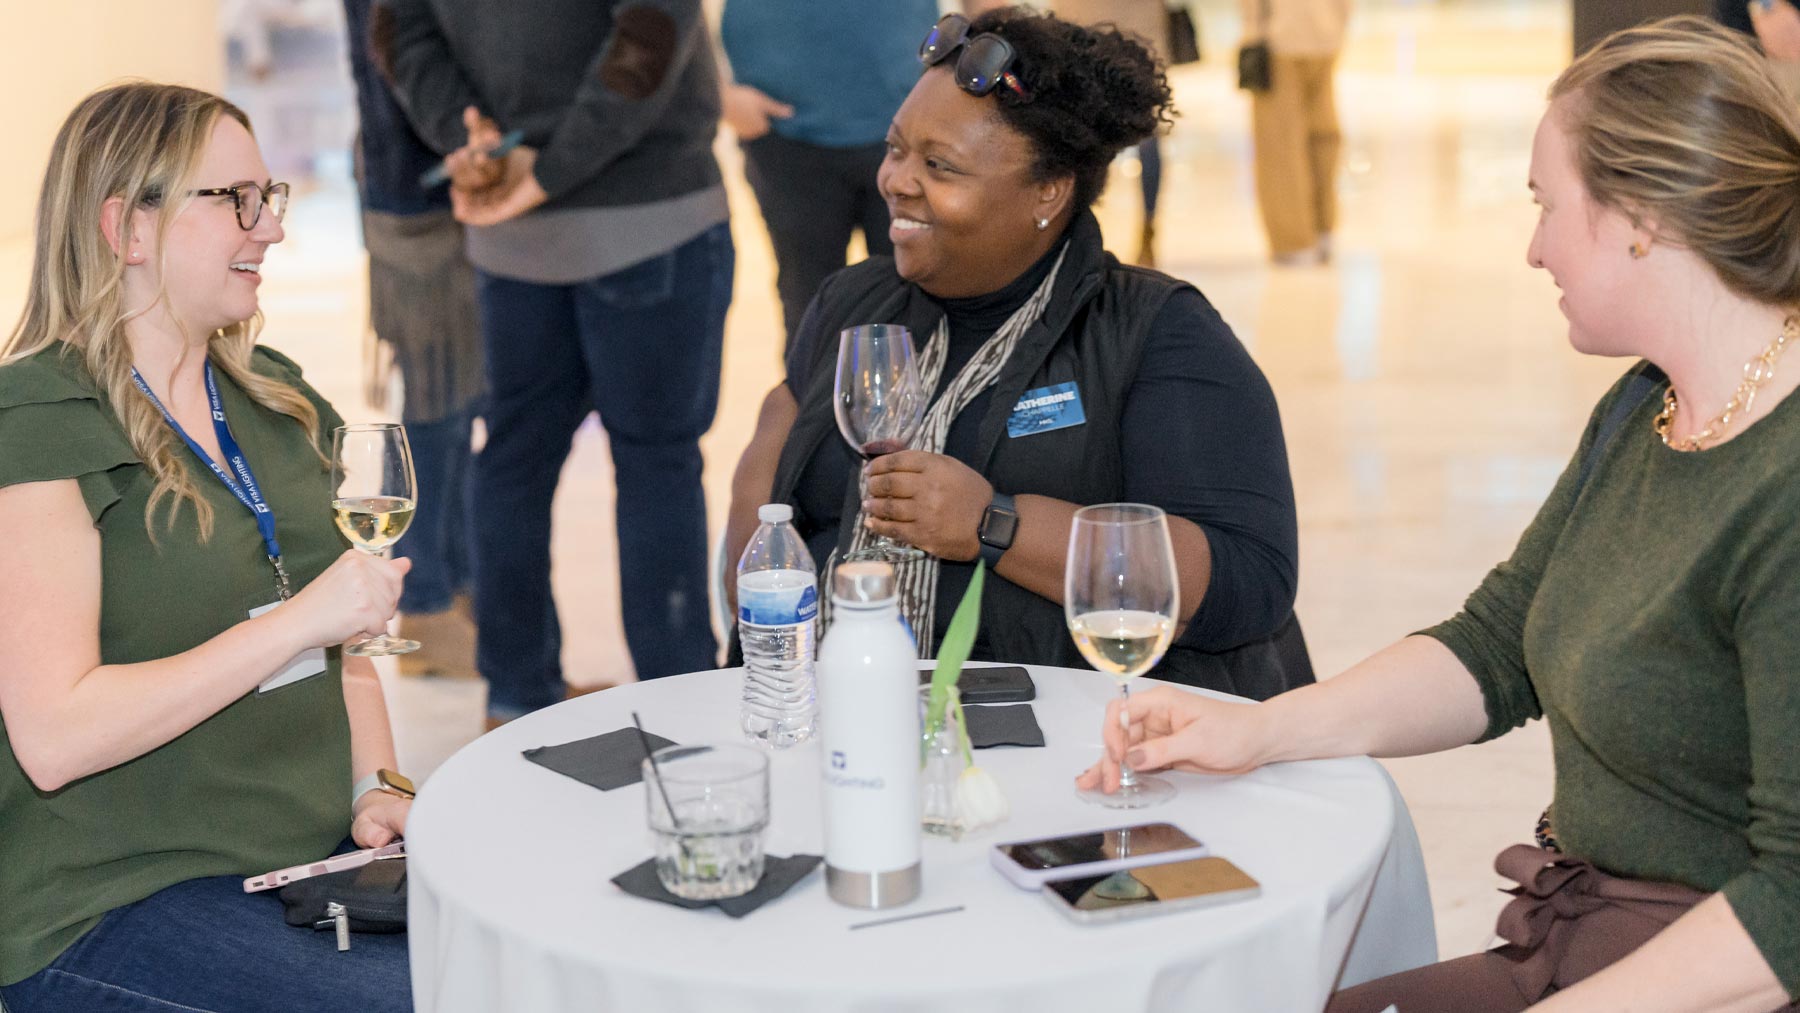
x,y
983,62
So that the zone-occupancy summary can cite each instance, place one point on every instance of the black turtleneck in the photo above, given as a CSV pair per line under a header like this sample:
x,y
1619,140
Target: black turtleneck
x,y
1200,434
975,319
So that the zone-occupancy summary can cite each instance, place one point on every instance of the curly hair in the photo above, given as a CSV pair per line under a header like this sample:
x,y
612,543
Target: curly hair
x,y
1093,93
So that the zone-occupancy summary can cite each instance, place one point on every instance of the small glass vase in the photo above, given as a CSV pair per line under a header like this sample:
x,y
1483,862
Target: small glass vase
x,y
941,755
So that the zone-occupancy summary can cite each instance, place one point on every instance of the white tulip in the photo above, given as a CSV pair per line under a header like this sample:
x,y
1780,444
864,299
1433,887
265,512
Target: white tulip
x,y
979,800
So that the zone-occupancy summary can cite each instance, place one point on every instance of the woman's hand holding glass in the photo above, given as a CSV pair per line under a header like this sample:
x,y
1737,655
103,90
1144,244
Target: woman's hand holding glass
x,y
1168,728
373,495
880,400
1121,595
354,597
928,501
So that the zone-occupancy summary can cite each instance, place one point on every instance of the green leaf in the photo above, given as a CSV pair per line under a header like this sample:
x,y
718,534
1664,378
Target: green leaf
x,y
959,639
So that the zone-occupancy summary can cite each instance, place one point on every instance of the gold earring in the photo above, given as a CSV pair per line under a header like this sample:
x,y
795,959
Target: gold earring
x,y
1638,252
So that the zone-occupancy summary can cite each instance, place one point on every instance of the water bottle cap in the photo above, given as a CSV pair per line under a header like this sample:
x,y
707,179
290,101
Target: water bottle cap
x,y
775,513
863,581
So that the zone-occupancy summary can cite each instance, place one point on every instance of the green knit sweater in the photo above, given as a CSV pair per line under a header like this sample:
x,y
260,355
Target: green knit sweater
x,y
1652,616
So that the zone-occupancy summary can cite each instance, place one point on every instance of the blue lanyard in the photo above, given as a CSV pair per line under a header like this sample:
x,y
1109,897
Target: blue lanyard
x,y
244,486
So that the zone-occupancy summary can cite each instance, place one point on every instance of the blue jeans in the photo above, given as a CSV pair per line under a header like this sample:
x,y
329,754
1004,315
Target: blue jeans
x,y
642,346
438,540
205,946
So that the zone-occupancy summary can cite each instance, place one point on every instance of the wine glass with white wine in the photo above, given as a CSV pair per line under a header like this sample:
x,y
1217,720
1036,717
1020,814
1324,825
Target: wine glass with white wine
x,y
373,494
1121,595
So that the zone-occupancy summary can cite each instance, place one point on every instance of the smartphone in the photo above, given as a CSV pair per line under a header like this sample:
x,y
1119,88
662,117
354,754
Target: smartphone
x,y
1151,889
1005,684
1029,864
440,173
336,863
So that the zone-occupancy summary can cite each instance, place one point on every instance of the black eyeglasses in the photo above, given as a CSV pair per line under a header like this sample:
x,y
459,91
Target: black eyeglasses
x,y
985,61
250,200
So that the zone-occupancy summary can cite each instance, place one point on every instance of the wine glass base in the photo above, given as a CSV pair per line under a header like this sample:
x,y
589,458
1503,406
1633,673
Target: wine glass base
x,y
381,647
1149,791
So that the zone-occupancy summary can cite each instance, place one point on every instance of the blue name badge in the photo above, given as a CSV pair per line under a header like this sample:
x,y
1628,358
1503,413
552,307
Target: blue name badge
x,y
1045,409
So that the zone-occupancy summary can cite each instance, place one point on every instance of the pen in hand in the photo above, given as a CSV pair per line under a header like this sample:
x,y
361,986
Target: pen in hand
x,y
439,174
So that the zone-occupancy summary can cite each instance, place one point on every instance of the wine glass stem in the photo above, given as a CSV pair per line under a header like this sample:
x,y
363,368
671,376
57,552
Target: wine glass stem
x,y
1127,779
379,554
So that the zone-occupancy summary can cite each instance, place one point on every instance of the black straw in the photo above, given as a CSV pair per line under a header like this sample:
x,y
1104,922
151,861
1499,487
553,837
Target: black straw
x,y
656,775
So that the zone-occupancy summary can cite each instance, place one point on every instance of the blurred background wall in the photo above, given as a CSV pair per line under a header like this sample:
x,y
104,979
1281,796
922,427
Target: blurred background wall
x,y
53,53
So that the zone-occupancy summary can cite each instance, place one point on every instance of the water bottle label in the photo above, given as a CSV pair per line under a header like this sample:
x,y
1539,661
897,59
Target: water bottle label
x,y
778,607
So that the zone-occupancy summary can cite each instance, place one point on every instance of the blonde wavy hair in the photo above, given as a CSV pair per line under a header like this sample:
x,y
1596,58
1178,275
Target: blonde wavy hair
x,y
1679,122
142,142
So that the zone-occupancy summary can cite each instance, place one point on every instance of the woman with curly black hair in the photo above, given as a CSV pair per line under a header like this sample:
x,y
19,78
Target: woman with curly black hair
x,y
1059,377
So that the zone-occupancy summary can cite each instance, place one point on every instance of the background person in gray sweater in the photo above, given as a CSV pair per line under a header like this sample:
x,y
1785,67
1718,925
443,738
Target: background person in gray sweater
x,y
604,267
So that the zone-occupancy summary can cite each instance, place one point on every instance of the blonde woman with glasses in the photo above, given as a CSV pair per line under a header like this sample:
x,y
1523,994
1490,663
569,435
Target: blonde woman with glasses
x,y
1651,612
166,731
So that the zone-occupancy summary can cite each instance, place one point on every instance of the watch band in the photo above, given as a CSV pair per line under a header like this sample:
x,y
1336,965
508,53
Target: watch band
x,y
363,787
994,543
382,780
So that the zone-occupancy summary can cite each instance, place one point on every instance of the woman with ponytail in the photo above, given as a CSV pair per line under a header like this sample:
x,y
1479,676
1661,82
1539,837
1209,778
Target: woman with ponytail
x,y
176,715
1651,612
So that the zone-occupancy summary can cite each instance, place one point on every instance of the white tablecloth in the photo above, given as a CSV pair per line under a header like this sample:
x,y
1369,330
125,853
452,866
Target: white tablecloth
x,y
511,909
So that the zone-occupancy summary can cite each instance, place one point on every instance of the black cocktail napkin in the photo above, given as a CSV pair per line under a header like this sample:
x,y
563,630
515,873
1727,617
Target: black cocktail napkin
x,y
779,875
608,761
1002,725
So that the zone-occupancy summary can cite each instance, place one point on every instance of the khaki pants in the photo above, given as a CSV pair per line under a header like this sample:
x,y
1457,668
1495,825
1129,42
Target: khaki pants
x,y
1297,142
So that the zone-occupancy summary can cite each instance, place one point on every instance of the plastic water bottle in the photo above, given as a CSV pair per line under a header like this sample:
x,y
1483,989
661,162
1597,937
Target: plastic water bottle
x,y
869,746
778,611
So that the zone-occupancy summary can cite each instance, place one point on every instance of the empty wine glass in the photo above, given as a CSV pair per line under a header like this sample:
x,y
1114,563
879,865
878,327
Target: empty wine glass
x,y
880,402
1121,595
373,495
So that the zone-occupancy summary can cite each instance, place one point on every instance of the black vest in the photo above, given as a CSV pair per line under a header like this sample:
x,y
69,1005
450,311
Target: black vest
x,y
1092,332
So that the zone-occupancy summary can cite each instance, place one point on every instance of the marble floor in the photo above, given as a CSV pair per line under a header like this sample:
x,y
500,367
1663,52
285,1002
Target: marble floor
x,y
1428,393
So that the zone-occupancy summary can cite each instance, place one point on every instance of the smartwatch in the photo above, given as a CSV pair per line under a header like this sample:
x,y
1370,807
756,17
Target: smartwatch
x,y
383,780
999,523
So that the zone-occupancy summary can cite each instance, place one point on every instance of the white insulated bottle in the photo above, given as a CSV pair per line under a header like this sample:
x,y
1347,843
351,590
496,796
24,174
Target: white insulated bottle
x,y
869,733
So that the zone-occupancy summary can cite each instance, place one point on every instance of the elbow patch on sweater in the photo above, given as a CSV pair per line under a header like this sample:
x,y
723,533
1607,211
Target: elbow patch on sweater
x,y
641,53
381,41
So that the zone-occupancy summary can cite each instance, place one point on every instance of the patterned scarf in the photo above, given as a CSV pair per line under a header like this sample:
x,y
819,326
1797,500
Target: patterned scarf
x,y
917,578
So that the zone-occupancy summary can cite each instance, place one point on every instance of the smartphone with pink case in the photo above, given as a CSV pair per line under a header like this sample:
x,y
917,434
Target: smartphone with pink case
x,y
336,863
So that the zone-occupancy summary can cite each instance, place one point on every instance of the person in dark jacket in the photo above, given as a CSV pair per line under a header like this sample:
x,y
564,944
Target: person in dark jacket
x,y
422,310
999,273
604,266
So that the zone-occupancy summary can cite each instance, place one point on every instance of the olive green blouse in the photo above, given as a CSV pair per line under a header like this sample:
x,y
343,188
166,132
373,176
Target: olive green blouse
x,y
264,783
1652,617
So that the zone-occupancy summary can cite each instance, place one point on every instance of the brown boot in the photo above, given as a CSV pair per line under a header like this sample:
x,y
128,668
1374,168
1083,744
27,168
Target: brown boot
x,y
1146,255
446,642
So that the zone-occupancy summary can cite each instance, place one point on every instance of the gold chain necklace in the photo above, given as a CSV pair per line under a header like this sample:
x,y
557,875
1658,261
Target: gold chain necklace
x,y
1757,372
